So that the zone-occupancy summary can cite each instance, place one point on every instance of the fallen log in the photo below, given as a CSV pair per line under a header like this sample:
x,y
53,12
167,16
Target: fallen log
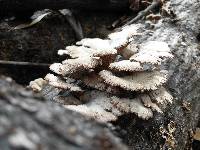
x,y
175,128
29,122
172,129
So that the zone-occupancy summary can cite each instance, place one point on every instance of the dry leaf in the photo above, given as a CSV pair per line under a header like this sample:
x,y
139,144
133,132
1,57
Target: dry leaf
x,y
35,21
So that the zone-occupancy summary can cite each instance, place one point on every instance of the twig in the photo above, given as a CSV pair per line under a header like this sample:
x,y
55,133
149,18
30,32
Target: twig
x,y
17,63
73,21
145,12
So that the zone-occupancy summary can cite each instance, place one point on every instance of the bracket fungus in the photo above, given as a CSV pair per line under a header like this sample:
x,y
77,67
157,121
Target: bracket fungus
x,y
107,87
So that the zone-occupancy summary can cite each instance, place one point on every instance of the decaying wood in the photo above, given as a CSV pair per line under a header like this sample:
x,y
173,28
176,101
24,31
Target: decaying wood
x,y
29,122
174,128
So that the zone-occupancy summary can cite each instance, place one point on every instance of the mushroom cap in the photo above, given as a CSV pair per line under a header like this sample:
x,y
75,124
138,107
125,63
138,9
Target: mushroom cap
x,y
81,51
62,84
152,52
97,44
122,38
104,108
139,81
126,65
76,66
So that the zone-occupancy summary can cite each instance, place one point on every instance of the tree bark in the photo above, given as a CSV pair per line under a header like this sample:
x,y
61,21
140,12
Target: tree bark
x,y
29,122
8,6
181,34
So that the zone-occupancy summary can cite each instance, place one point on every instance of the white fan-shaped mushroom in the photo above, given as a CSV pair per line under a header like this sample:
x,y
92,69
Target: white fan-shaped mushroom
x,y
62,84
104,108
97,44
72,66
137,81
152,52
94,63
126,65
81,51
122,38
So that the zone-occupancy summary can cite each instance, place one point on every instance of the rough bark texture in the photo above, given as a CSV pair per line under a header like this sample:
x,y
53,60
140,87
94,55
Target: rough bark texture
x,y
29,122
180,33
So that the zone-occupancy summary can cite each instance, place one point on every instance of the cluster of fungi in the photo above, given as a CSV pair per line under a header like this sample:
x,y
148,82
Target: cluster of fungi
x,y
107,78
